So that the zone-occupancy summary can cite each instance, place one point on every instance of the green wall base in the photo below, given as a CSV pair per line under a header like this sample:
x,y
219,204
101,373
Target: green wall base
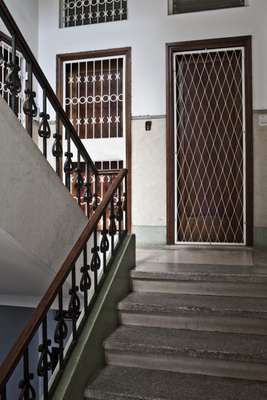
x,y
88,356
260,238
150,235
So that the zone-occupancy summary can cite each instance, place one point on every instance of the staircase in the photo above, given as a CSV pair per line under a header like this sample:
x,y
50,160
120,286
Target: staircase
x,y
188,332
59,231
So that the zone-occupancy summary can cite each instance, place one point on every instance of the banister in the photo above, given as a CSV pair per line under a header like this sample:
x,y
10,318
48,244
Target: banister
x,y
21,345
40,76
95,248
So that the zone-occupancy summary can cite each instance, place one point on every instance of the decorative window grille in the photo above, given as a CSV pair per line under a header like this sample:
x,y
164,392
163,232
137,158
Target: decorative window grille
x,y
109,165
5,59
108,171
94,97
184,6
87,12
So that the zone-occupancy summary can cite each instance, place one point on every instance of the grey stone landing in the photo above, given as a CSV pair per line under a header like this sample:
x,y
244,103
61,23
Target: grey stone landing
x,y
188,332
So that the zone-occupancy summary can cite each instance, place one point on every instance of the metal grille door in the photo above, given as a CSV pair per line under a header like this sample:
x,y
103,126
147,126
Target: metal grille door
x,y
210,146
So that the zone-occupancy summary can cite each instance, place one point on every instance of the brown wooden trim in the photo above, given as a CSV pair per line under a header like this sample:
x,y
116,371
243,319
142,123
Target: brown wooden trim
x,y
125,51
171,48
185,6
170,149
39,314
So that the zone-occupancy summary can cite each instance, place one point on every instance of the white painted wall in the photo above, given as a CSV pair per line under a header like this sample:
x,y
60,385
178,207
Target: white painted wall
x,y
39,220
147,30
26,14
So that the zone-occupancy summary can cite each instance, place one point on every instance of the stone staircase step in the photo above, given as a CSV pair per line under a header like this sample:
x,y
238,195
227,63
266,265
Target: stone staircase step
x,y
240,272
196,312
122,383
210,353
201,279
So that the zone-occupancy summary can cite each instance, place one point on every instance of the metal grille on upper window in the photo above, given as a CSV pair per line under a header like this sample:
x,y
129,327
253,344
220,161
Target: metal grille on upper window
x,y
94,96
184,6
5,59
87,12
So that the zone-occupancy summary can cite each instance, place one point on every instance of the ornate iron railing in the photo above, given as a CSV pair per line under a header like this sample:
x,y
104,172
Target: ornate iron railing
x,y
34,364
71,149
59,318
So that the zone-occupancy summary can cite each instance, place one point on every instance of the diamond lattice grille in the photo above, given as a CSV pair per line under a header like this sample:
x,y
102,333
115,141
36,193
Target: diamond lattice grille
x,y
209,145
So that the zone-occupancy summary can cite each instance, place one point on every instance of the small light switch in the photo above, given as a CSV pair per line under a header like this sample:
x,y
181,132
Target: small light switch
x,y
148,126
263,120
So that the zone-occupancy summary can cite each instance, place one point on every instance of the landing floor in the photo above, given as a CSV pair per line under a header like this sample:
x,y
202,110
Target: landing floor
x,y
203,255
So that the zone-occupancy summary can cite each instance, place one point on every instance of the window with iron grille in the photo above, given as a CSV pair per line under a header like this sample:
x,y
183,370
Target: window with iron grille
x,y
87,12
5,59
184,6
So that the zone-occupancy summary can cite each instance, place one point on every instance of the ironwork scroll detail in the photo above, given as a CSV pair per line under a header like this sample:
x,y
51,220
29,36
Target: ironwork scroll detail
x,y
12,80
44,130
29,106
61,331
45,362
26,388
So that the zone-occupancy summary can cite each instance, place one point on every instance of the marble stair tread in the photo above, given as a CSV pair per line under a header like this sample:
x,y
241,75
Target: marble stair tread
x,y
168,303
211,345
188,272
121,383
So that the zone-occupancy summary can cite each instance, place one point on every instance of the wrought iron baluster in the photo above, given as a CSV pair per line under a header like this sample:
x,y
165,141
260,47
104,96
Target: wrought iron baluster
x,y
27,391
57,146
104,245
79,179
68,166
74,304
125,204
13,80
29,106
85,283
112,224
61,331
95,202
88,194
2,58
44,128
95,261
45,362
119,211
3,395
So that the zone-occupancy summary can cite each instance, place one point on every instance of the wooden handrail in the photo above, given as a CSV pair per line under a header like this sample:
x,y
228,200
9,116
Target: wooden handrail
x,y
39,314
40,76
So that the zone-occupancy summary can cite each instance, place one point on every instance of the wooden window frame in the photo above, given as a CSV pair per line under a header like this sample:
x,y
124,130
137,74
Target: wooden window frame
x,y
127,52
189,6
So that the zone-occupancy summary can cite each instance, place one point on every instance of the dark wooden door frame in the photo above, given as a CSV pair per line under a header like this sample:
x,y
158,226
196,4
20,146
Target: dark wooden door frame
x,y
126,51
171,48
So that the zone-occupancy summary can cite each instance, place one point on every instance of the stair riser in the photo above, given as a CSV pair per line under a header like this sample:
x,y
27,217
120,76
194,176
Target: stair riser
x,y
199,322
201,288
184,364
